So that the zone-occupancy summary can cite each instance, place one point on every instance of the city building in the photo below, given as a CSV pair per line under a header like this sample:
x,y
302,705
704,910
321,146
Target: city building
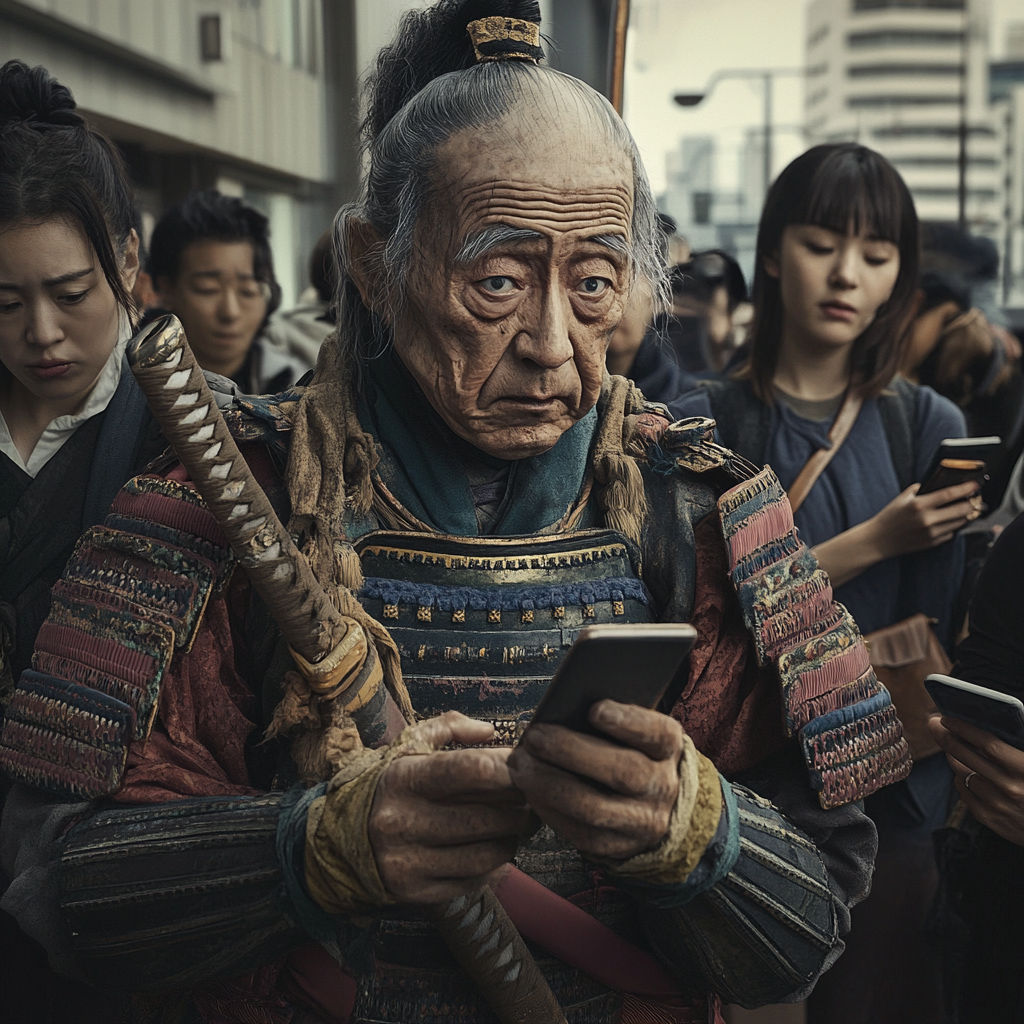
x,y
710,217
907,77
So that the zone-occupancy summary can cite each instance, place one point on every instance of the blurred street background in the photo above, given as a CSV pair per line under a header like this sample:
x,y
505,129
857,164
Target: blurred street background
x,y
258,99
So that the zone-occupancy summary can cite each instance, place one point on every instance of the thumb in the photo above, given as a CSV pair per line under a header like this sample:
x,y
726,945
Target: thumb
x,y
453,727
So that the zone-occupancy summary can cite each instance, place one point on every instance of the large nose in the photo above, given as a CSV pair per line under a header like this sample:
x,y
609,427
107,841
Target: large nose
x,y
545,340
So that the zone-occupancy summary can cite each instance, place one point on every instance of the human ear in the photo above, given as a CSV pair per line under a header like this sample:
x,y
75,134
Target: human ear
x,y
130,260
771,264
365,247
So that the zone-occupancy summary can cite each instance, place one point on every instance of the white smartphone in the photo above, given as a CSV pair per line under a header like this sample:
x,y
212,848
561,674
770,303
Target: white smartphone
x,y
995,712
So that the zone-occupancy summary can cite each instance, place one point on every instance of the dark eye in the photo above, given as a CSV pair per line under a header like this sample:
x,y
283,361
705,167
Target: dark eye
x,y
876,260
73,298
818,248
9,307
498,285
594,286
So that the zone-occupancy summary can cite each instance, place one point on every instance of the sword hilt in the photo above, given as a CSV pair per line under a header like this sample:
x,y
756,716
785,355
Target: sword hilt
x,y
331,646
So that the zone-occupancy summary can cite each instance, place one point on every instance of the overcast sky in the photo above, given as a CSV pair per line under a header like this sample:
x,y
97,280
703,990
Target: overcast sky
x,y
676,45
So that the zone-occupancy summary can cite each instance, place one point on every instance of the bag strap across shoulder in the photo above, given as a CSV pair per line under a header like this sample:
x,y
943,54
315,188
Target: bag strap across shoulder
x,y
815,465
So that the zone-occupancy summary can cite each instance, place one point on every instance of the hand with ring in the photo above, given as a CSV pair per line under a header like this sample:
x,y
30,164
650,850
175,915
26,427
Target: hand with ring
x,y
989,775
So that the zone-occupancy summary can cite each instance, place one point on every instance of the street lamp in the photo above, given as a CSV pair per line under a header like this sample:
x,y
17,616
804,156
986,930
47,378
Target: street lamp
x,y
767,75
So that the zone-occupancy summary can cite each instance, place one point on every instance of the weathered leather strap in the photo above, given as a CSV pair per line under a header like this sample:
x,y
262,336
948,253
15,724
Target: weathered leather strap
x,y
815,465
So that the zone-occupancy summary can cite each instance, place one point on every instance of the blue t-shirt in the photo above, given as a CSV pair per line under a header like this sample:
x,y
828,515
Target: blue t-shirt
x,y
860,481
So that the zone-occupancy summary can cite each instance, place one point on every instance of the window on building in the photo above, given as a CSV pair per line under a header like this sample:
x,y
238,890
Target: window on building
x,y
903,37
209,37
817,35
934,5
901,70
927,131
903,100
702,207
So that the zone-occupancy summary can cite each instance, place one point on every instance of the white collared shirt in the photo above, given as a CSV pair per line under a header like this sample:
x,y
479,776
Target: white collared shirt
x,y
60,430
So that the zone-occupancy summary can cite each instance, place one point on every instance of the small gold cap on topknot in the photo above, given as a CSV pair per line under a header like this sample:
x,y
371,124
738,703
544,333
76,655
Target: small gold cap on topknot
x,y
498,38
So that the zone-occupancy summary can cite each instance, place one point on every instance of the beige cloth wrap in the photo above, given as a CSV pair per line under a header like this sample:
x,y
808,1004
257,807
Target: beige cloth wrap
x,y
341,873
694,822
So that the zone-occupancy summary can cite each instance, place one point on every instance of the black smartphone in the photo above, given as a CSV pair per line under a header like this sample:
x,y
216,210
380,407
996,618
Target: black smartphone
x,y
957,461
995,712
632,664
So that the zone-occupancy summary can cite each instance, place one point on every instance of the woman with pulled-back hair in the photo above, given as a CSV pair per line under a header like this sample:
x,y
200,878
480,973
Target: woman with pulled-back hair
x,y
264,837
73,425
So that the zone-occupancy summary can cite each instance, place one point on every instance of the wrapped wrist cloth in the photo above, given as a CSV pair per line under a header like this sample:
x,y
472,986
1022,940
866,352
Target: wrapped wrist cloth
x,y
340,870
693,825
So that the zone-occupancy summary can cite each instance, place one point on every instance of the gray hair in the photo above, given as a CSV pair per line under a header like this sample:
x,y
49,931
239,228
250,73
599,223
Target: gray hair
x,y
403,156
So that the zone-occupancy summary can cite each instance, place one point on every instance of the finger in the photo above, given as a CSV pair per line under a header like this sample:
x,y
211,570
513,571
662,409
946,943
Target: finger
x,y
650,732
454,775
973,760
417,875
951,494
397,822
596,759
589,818
999,752
961,510
453,727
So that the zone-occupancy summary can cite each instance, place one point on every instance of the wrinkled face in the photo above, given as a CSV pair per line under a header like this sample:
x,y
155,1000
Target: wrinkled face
x,y
59,319
520,276
219,302
831,284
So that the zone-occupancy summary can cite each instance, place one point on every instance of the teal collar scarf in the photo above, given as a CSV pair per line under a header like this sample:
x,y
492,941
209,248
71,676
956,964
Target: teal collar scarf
x,y
423,462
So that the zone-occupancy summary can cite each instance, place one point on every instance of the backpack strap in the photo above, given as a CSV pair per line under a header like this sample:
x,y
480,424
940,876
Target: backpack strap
x,y
742,419
898,407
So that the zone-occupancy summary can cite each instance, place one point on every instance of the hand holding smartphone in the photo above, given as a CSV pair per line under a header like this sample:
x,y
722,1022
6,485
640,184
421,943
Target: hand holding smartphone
x,y
632,664
959,460
994,712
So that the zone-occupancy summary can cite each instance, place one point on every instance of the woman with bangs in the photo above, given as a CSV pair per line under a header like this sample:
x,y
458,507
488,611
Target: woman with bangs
x,y
837,265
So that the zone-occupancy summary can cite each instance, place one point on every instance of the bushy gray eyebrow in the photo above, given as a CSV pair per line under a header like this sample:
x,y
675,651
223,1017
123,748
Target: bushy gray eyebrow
x,y
501,234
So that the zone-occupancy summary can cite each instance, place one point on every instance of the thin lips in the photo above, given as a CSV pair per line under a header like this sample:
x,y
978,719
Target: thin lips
x,y
836,304
50,365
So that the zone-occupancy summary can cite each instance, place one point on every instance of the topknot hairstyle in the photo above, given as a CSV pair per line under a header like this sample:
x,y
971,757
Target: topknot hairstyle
x,y
425,87
212,215
53,165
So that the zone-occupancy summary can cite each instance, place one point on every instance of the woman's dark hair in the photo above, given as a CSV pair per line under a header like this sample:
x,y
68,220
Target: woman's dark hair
x,y
53,165
841,187
211,215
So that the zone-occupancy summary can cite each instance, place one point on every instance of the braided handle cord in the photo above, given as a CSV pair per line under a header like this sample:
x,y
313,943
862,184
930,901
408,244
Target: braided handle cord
x,y
492,952
183,405
330,648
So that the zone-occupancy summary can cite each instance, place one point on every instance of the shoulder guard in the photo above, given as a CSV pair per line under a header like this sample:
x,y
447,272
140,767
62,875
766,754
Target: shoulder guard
x,y
266,418
132,596
686,444
851,737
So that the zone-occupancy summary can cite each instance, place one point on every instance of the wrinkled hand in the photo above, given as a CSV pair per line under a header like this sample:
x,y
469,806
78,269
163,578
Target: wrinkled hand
x,y
441,824
912,523
996,793
605,799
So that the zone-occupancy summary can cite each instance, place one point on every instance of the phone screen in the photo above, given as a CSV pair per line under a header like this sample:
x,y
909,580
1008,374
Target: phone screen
x,y
632,664
987,709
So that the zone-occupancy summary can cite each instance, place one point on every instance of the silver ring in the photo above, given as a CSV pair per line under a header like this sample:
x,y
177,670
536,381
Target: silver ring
x,y
967,779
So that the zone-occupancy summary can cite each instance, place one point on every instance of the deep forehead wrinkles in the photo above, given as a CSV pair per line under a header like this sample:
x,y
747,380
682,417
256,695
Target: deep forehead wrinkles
x,y
601,211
